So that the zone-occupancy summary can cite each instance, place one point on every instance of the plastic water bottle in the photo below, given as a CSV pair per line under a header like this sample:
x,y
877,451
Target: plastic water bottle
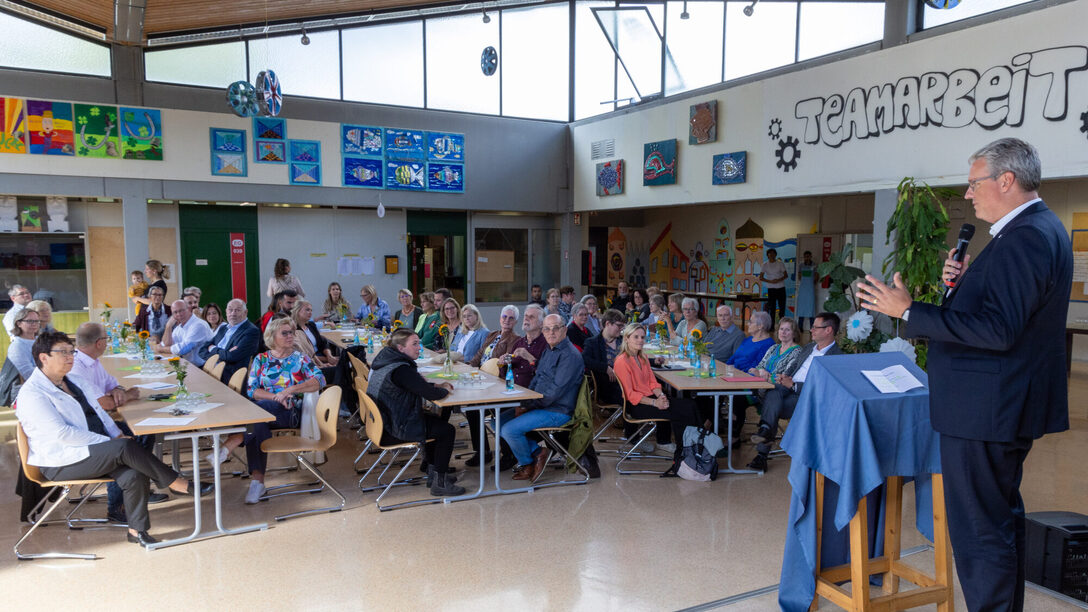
x,y
355,338
509,378
697,362
370,343
421,351
116,344
712,367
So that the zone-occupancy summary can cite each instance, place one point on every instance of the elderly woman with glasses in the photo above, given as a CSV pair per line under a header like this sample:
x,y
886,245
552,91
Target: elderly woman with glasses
x,y
26,327
373,306
691,321
593,321
45,313
277,380
754,347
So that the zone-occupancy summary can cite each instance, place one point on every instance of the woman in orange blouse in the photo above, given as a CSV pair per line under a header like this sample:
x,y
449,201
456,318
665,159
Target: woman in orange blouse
x,y
644,393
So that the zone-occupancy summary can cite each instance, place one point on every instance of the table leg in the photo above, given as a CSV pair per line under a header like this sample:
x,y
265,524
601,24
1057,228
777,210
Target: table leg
x,y
819,534
194,438
893,524
942,546
483,464
859,556
729,469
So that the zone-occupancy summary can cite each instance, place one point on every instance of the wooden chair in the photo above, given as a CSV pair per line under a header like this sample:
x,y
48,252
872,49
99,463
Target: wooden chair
x,y
372,420
328,408
491,366
646,428
238,380
217,369
209,365
34,474
358,365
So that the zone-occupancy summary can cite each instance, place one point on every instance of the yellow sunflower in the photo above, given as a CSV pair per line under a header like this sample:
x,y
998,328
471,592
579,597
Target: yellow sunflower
x,y
144,335
174,359
444,330
696,334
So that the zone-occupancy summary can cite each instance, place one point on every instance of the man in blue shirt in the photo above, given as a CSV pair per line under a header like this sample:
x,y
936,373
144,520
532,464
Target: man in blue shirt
x,y
235,343
558,377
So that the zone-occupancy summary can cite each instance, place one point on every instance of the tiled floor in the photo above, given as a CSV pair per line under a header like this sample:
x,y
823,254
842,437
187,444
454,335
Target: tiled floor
x,y
632,543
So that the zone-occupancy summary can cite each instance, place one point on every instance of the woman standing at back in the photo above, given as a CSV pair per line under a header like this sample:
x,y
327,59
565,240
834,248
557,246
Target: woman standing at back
x,y
282,279
155,274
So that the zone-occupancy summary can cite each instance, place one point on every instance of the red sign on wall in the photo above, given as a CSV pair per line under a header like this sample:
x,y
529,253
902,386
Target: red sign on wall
x,y
238,266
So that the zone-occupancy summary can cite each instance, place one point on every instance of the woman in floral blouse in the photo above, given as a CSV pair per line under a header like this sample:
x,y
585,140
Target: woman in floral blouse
x,y
277,380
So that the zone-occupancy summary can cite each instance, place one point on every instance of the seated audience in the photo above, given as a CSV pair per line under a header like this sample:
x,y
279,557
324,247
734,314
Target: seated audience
x,y
441,295
408,313
600,353
554,301
373,305
70,437
192,296
690,322
558,377
20,297
336,308
497,344
526,351
235,343
154,314
593,323
137,288
184,334
645,398
428,322
674,306
638,309
470,336
724,338
281,305
780,402
23,331
752,348
780,357
398,390
622,297
45,314
282,280
213,316
277,380
451,318
577,332
310,341
566,300
657,311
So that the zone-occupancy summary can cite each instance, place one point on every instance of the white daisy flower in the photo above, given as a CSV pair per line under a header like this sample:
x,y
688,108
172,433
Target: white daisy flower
x,y
859,326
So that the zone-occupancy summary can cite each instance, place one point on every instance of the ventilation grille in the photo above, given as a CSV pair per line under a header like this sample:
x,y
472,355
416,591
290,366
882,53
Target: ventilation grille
x,y
603,149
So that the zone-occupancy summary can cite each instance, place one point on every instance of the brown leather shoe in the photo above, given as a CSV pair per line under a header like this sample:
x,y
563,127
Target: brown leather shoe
x,y
540,462
525,473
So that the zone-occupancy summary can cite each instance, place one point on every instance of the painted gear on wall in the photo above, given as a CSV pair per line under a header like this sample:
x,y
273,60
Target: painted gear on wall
x,y
774,130
489,61
269,96
788,161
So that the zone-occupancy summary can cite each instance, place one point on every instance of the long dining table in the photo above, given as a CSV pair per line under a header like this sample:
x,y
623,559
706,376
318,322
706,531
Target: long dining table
x,y
231,414
726,382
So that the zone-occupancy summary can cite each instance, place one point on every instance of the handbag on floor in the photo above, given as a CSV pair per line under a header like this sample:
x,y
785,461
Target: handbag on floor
x,y
699,458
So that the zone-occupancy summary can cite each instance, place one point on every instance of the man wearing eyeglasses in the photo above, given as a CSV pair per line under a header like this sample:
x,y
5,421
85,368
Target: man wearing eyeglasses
x,y
780,402
996,365
20,296
558,377
185,334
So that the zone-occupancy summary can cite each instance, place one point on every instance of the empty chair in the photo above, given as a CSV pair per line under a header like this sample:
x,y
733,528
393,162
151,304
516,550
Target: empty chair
x,y
328,407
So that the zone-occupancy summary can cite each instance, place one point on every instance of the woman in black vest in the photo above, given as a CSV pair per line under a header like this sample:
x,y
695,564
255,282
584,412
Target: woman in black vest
x,y
398,390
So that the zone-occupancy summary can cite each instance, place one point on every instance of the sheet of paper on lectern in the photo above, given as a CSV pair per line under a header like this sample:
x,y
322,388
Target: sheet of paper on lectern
x,y
892,379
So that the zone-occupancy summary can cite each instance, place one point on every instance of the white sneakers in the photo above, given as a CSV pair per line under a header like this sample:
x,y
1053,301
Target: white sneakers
x,y
668,448
256,490
224,454
646,447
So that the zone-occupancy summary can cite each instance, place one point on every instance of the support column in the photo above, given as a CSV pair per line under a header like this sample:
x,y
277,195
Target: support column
x,y
884,201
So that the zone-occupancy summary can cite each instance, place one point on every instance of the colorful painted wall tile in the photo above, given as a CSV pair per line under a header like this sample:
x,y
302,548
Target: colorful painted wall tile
x,y
50,127
97,130
659,163
141,133
12,125
443,146
362,172
703,123
269,128
610,178
304,174
360,140
228,151
446,177
730,168
307,151
405,144
405,175
270,152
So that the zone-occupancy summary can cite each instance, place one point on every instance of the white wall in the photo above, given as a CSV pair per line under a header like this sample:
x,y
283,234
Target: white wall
x,y
931,153
314,238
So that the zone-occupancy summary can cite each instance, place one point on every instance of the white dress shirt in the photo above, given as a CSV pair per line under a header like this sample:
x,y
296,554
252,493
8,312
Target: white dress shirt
x,y
91,371
189,338
1003,221
802,372
55,426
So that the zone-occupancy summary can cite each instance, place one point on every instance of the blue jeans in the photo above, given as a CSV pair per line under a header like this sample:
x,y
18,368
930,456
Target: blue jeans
x,y
514,431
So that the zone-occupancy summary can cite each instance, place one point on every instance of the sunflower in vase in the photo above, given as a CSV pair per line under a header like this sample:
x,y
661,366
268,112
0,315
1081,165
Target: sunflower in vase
x,y
447,362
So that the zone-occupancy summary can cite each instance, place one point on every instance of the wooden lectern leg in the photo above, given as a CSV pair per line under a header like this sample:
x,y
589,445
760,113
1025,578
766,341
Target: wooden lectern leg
x,y
893,529
859,556
942,546
819,534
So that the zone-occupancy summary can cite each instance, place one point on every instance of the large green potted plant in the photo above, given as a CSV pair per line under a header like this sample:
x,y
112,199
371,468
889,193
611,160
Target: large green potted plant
x,y
920,224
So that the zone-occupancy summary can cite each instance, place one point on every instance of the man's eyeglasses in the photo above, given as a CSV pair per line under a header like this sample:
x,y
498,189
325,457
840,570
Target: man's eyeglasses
x,y
820,326
973,183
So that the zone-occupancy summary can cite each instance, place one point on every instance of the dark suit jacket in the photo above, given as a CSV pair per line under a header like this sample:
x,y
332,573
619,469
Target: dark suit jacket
x,y
996,360
806,350
240,350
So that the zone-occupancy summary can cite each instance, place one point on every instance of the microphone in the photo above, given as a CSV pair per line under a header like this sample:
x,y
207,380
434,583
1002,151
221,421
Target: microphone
x,y
967,231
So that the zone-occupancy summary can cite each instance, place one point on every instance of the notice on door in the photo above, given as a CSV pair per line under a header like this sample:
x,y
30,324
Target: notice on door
x,y
238,266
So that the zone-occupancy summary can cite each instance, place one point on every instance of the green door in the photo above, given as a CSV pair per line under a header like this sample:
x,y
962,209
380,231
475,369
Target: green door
x,y
208,234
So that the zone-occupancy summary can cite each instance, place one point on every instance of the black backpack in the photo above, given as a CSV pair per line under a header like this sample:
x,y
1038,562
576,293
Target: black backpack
x,y
698,462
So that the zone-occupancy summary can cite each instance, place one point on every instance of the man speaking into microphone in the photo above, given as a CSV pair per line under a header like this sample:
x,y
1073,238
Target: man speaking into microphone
x,y
996,365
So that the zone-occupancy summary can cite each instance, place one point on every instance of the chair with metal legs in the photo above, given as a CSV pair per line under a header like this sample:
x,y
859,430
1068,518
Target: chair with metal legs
x,y
328,409
34,474
557,449
645,429
372,420
617,413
